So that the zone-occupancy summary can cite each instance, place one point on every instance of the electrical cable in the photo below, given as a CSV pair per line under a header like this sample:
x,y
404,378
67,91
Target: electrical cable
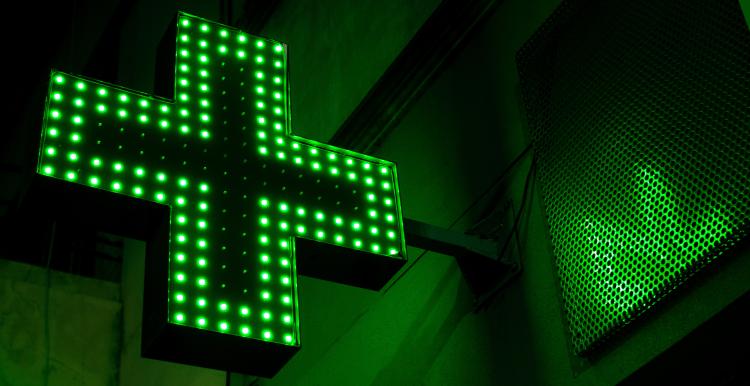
x,y
486,298
500,177
48,284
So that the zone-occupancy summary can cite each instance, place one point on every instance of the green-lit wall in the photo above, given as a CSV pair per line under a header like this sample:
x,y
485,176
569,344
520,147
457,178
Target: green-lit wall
x,y
453,143
457,138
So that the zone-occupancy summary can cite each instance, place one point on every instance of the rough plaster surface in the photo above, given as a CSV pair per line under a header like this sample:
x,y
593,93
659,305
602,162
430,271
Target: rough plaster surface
x,y
84,323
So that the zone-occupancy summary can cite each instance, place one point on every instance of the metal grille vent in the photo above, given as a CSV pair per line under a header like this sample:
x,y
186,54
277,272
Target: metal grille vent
x,y
640,116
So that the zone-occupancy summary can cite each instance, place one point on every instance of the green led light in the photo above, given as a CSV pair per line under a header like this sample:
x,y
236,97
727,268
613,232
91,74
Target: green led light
x,y
121,141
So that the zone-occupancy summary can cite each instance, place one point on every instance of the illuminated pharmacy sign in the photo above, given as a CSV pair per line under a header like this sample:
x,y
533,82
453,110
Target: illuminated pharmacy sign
x,y
246,198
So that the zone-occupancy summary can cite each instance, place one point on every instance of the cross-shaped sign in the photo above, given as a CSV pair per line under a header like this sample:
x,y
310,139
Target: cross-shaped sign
x,y
242,193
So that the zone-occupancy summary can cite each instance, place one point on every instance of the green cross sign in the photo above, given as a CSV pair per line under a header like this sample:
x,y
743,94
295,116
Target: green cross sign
x,y
246,198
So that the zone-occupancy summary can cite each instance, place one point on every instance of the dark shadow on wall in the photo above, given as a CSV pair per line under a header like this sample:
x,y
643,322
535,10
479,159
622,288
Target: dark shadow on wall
x,y
428,336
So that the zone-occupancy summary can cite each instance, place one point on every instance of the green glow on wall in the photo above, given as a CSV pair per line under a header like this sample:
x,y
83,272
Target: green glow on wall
x,y
239,185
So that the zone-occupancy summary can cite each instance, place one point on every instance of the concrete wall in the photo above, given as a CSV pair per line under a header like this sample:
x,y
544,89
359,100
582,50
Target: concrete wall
x,y
61,330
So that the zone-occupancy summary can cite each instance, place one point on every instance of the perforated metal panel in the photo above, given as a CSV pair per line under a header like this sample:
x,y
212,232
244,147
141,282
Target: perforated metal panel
x,y
640,117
